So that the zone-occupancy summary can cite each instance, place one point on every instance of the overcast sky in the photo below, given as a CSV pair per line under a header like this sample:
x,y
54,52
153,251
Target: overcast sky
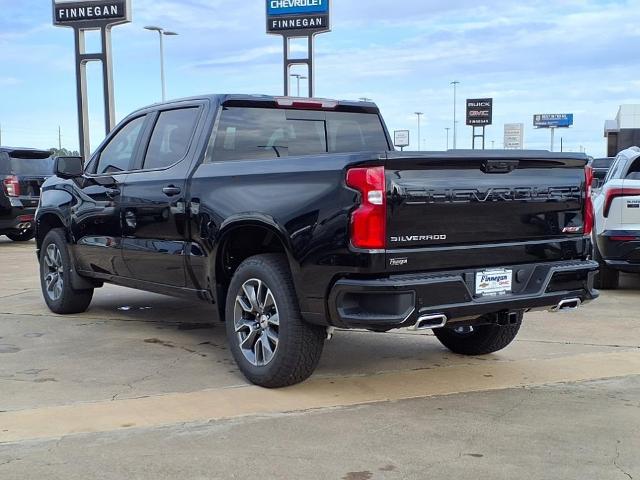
x,y
567,56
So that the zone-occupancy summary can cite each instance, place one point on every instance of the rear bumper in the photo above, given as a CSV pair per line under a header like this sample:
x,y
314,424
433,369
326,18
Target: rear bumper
x,y
17,215
398,301
621,255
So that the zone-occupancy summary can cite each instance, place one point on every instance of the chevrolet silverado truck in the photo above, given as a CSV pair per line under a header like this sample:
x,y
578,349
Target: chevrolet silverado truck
x,y
295,217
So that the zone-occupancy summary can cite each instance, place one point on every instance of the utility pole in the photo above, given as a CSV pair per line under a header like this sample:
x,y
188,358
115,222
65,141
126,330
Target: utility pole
x,y
59,138
455,84
162,33
447,129
419,115
553,137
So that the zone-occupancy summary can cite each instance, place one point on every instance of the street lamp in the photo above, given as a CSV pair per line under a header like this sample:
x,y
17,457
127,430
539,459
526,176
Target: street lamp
x,y
419,115
365,99
455,84
299,77
161,32
447,129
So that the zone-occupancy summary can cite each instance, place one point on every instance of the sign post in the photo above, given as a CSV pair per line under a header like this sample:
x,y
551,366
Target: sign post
x,y
401,139
298,19
92,15
479,115
553,121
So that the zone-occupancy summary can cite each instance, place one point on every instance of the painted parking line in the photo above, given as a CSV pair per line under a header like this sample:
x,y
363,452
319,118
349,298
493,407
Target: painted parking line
x,y
206,405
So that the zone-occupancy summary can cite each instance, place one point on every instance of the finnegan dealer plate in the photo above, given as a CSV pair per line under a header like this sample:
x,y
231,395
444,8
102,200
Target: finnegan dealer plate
x,y
494,282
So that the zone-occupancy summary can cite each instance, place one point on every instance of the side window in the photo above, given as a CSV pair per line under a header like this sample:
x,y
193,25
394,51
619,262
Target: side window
x,y
118,154
634,170
171,137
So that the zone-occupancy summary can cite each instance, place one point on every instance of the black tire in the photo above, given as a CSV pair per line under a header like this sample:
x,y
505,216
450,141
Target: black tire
x,y
607,278
299,344
70,300
481,340
23,236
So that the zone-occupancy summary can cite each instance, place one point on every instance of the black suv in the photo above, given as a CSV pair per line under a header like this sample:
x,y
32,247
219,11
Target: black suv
x,y
22,173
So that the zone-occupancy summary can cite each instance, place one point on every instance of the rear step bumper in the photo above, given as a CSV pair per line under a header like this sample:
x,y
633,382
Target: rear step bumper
x,y
432,300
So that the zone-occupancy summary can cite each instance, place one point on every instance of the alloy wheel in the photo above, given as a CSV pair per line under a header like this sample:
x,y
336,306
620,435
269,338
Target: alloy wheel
x,y
53,272
257,322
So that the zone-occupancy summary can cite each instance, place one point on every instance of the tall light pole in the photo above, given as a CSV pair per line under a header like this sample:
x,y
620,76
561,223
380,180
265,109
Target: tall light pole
x,y
419,115
448,129
299,77
162,32
455,84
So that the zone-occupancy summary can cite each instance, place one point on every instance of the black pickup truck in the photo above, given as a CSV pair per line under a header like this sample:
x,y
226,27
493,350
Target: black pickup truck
x,y
295,217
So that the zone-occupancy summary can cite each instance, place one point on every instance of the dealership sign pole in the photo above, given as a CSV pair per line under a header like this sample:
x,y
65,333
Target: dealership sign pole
x,y
298,19
553,121
479,115
83,16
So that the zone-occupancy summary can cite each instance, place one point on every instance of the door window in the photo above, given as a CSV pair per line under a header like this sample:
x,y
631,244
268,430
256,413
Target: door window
x,y
171,137
118,155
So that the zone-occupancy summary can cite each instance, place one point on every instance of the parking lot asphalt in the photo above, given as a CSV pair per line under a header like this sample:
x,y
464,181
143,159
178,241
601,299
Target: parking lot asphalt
x,y
143,386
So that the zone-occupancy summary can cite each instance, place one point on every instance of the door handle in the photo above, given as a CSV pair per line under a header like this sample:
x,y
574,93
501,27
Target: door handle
x,y
112,192
171,191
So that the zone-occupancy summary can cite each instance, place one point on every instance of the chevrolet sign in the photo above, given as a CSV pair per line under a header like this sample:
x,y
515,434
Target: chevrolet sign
x,y
298,16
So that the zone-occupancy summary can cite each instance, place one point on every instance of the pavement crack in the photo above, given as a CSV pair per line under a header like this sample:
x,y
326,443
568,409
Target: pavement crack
x,y
615,461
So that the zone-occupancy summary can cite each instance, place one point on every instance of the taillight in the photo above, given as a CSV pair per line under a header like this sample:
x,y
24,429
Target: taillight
x,y
588,202
617,192
369,221
623,238
12,186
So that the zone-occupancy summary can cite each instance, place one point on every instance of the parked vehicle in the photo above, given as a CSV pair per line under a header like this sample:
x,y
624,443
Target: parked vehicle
x,y
22,173
600,168
617,228
294,216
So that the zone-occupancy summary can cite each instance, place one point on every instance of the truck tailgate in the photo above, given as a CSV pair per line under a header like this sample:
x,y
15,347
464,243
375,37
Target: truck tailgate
x,y
474,200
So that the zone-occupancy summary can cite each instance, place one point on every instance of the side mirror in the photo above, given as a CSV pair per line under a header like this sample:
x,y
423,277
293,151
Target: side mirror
x,y
69,167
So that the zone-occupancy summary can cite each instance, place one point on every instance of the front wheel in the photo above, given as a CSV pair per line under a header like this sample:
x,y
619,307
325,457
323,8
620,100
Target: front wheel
x,y
478,340
55,277
270,342
21,236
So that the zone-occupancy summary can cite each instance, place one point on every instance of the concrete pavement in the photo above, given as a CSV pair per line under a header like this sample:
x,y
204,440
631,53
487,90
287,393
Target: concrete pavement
x,y
149,378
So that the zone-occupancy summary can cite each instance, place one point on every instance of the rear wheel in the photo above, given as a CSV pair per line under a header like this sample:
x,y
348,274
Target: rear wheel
x,y
55,277
270,342
478,340
22,236
607,278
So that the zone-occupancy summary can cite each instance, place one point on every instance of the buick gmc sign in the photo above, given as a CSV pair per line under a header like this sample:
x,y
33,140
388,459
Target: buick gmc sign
x,y
479,112
299,16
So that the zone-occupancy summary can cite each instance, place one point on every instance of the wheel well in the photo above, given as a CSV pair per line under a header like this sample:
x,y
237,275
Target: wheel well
x,y
238,245
45,224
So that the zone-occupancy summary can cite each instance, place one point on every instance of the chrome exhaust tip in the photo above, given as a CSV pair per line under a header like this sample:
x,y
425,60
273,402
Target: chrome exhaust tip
x,y
567,305
429,322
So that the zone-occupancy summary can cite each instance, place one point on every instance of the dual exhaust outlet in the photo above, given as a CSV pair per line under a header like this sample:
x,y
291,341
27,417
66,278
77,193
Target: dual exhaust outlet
x,y
430,322
25,226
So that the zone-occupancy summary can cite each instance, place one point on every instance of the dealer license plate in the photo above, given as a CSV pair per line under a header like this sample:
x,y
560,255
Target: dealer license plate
x,y
494,282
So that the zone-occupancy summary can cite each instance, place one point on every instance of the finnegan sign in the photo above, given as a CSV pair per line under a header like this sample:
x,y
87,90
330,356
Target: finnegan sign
x,y
303,16
91,13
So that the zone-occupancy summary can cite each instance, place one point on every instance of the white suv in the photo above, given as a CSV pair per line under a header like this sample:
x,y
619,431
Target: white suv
x,y
617,219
